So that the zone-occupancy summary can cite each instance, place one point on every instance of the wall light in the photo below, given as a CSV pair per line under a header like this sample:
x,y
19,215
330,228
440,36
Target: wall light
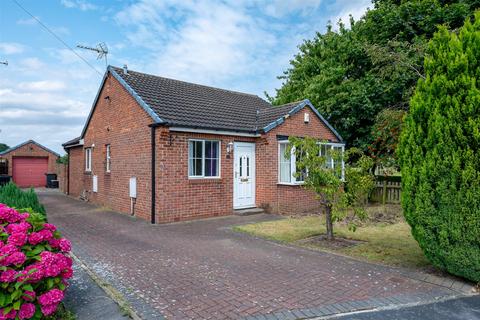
x,y
229,148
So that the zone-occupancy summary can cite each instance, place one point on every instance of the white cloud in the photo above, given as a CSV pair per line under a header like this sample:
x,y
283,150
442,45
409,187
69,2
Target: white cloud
x,y
11,48
42,85
31,63
78,4
346,8
279,8
27,21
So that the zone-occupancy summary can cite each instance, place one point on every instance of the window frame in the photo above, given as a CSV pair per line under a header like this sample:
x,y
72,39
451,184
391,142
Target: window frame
x,y
218,176
333,145
4,164
293,166
108,159
88,159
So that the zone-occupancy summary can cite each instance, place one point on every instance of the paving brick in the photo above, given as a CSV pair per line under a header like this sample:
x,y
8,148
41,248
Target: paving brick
x,y
203,268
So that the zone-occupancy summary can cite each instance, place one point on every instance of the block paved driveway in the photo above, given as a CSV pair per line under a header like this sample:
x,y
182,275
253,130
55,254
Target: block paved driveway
x,y
204,270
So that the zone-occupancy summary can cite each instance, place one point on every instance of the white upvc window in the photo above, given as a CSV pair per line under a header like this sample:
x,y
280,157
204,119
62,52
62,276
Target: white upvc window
x,y
88,159
203,158
107,158
288,166
327,150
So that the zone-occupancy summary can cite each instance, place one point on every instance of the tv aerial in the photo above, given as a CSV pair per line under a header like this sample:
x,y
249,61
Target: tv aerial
x,y
4,62
101,49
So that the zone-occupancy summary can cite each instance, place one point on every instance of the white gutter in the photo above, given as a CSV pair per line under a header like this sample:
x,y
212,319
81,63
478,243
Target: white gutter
x,y
218,132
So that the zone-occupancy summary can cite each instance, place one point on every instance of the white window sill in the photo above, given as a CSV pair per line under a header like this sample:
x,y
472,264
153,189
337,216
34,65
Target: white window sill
x,y
291,183
204,178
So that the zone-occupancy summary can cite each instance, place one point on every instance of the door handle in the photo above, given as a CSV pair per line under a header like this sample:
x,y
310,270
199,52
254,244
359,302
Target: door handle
x,y
244,180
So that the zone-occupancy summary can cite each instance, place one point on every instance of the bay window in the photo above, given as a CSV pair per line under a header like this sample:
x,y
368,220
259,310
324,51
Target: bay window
x,y
287,165
203,159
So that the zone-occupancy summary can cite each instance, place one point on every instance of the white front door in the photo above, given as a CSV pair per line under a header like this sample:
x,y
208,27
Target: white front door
x,y
244,175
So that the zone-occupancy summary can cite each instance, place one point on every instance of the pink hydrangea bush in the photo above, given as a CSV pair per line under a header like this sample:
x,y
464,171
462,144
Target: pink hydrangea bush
x,y
34,266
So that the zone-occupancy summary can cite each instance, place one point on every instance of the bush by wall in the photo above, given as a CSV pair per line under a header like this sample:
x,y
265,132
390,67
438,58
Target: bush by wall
x,y
14,197
439,153
34,265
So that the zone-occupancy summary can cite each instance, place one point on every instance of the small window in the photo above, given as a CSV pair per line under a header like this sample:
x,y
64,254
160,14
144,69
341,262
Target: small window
x,y
107,158
88,159
203,159
3,166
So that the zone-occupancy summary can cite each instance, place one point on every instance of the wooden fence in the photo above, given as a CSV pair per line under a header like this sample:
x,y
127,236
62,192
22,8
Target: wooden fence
x,y
387,192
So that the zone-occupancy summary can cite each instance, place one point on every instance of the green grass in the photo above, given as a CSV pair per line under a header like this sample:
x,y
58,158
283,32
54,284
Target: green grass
x,y
390,244
14,197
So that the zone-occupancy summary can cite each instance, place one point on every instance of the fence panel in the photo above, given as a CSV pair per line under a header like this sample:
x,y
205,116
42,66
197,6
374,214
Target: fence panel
x,y
387,192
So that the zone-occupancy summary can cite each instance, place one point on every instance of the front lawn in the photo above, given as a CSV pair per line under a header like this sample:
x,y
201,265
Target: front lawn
x,y
388,243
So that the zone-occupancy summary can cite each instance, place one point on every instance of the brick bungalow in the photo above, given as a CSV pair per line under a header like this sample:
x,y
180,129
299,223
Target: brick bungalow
x,y
167,150
27,164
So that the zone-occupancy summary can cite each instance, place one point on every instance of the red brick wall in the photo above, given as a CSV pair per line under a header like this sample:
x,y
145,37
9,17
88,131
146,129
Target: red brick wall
x,y
76,172
122,123
275,197
31,150
180,198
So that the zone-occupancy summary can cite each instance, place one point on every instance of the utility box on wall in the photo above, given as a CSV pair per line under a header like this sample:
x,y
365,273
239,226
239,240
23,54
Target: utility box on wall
x,y
133,187
95,183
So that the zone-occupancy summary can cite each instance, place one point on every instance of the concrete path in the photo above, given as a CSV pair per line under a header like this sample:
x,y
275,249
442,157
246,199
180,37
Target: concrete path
x,y
467,308
204,270
88,301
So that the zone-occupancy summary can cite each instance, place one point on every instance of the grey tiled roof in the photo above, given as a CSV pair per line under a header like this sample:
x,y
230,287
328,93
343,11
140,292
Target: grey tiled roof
x,y
186,104
183,104
180,103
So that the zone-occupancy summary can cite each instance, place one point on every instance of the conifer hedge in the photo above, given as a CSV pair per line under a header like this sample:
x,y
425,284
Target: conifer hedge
x,y
439,153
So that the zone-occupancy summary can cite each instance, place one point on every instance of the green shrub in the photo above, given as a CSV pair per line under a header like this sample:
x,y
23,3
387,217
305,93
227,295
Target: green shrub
x,y
439,153
14,197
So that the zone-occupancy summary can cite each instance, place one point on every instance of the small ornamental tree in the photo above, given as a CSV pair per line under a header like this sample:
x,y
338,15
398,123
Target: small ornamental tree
x,y
342,190
439,153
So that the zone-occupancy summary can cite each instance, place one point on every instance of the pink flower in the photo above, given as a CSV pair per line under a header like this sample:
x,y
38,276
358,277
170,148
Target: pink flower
x,y
35,238
54,243
65,245
27,310
50,227
33,273
8,249
9,215
21,227
53,296
16,258
17,239
67,273
49,309
8,275
46,234
11,315
29,295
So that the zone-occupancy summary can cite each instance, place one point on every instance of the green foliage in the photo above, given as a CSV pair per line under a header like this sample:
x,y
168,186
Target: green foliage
x,y
350,75
3,147
385,134
14,197
439,153
63,159
342,190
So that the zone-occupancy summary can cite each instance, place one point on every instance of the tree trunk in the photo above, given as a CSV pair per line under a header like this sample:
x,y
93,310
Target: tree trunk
x,y
328,222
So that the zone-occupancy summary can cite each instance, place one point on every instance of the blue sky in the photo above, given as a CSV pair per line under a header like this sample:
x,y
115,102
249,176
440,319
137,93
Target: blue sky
x,y
46,91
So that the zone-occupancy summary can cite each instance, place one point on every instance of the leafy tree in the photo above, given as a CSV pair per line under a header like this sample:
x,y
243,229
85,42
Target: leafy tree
x,y
3,147
439,153
63,159
385,134
342,194
352,74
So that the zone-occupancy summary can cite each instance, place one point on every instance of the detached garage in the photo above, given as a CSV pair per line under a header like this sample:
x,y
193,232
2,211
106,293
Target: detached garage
x,y
28,163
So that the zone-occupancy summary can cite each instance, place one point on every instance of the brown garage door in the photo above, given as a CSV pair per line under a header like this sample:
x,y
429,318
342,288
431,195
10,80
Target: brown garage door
x,y
30,172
